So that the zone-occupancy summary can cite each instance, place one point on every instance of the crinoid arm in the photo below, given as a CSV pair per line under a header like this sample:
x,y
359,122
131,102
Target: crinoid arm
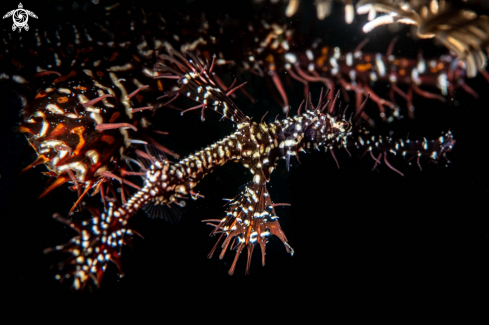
x,y
99,241
250,220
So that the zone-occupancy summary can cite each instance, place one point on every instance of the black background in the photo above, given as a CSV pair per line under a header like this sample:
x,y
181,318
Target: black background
x,y
361,237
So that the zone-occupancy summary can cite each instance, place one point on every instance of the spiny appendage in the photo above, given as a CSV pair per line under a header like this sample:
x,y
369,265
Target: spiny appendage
x,y
194,77
250,220
99,241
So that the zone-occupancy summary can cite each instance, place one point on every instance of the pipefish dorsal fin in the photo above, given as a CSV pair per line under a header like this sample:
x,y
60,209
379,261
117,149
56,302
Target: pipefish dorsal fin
x,y
197,84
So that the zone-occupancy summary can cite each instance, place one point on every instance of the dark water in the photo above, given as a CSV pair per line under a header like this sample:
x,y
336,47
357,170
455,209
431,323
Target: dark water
x,y
410,241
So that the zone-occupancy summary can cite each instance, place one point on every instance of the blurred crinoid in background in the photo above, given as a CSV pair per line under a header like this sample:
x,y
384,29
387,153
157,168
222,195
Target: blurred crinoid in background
x,y
462,26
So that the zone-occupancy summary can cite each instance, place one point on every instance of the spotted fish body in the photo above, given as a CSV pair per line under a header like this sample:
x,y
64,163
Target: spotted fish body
x,y
102,60
250,218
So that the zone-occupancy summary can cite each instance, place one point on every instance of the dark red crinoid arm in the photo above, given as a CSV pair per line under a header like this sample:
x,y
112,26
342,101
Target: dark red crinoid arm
x,y
99,241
